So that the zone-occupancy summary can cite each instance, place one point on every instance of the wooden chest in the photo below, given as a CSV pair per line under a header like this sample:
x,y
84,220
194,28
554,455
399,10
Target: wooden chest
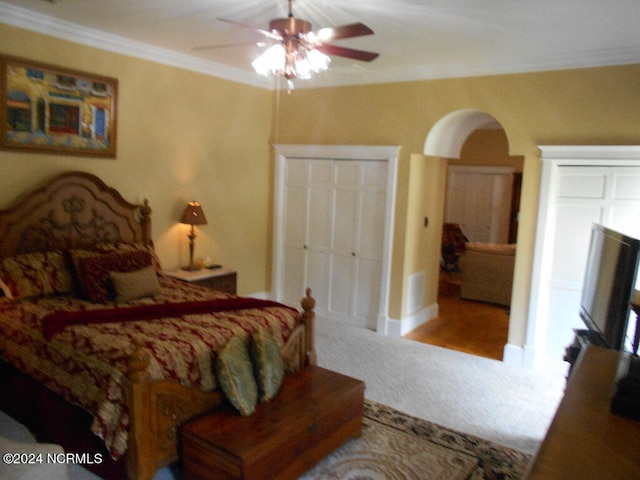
x,y
315,412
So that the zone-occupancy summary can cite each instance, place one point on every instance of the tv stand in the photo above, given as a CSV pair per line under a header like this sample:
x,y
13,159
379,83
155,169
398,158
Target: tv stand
x,y
585,441
581,339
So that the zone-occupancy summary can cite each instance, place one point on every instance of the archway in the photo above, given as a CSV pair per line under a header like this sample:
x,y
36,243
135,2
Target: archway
x,y
454,137
448,135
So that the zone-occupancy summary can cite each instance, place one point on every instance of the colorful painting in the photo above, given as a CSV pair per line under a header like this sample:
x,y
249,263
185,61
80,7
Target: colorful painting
x,y
50,109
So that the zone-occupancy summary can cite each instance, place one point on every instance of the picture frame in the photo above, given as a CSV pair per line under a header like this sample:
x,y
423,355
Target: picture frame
x,y
56,110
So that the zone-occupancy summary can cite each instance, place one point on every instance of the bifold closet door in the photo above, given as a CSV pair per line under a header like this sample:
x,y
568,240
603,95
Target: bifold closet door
x,y
479,200
334,234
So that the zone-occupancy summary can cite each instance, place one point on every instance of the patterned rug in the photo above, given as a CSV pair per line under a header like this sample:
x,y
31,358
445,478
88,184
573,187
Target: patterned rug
x,y
396,446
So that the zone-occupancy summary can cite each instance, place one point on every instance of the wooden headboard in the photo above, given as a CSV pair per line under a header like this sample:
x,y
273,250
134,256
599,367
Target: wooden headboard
x,y
71,210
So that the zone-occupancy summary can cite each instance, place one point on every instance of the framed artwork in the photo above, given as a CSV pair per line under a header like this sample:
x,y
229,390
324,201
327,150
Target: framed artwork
x,y
51,109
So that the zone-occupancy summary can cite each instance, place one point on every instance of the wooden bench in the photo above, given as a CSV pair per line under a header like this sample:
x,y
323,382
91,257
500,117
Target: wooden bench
x,y
314,413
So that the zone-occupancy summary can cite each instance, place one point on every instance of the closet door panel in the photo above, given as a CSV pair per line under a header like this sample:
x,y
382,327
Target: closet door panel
x,y
320,205
294,274
317,278
295,222
342,281
368,291
479,200
320,218
345,221
371,227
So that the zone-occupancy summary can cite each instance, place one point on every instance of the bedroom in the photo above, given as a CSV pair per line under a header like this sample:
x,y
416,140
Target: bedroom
x,y
211,142
218,148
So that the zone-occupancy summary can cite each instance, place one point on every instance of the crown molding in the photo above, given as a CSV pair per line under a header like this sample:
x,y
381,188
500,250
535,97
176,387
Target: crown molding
x,y
23,18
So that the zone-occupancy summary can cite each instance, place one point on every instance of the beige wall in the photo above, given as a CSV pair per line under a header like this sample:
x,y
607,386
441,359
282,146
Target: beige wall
x,y
488,147
181,136
587,106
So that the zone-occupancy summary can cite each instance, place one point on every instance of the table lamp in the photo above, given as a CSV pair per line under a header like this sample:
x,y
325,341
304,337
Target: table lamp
x,y
193,215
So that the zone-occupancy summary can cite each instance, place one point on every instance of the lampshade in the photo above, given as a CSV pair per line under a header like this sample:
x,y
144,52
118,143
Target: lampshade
x,y
193,215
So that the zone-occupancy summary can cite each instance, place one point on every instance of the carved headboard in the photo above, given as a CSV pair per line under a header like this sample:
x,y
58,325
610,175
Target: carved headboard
x,y
72,210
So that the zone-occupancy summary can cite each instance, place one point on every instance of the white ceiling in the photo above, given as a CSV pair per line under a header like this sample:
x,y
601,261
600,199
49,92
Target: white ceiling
x,y
416,39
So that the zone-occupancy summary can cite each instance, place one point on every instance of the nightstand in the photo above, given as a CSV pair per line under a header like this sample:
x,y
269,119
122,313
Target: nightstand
x,y
222,279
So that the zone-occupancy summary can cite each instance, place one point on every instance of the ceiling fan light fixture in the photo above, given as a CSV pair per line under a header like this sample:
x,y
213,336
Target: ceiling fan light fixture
x,y
271,60
292,61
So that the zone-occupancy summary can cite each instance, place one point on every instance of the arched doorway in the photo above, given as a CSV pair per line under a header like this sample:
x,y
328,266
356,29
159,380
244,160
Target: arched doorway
x,y
473,140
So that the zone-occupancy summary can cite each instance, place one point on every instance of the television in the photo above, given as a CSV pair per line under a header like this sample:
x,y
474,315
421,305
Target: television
x,y
609,283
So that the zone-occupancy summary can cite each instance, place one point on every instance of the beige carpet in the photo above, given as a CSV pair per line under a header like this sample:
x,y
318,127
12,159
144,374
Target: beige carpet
x,y
396,446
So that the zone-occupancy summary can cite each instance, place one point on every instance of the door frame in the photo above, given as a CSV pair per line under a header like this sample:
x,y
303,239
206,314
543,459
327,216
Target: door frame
x,y
388,153
553,159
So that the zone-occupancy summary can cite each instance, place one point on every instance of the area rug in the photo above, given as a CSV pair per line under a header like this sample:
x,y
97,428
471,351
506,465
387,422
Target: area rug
x,y
396,446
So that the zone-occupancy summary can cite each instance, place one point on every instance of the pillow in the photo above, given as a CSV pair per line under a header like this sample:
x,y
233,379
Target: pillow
x,y
124,247
137,284
34,274
235,374
268,365
93,272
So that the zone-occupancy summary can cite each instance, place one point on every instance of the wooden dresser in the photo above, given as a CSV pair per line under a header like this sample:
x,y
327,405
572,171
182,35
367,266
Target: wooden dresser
x,y
585,441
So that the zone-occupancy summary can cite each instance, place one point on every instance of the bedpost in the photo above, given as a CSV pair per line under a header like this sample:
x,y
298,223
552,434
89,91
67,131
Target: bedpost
x,y
145,221
140,448
308,319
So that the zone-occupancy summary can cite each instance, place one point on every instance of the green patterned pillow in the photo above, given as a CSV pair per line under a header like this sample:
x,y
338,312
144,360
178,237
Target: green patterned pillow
x,y
235,374
267,364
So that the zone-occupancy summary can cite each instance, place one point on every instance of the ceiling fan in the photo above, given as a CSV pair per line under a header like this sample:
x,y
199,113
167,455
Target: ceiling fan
x,y
297,51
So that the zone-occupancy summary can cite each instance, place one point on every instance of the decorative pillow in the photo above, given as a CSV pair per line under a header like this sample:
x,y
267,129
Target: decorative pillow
x,y
35,274
137,284
235,374
93,272
268,365
123,247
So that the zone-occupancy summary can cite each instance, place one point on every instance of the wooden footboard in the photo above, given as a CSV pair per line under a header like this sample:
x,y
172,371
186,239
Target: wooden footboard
x,y
158,408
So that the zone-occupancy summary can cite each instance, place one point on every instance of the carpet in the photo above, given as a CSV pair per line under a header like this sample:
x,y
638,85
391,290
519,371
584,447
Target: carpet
x,y
396,446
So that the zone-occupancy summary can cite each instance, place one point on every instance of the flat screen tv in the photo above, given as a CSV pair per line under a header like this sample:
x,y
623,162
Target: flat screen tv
x,y
609,283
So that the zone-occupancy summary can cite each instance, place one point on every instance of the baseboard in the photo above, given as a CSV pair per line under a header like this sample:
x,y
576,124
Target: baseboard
x,y
398,328
513,355
527,357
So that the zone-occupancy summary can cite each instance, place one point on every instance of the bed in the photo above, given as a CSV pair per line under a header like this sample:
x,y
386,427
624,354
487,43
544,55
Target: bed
x,y
92,363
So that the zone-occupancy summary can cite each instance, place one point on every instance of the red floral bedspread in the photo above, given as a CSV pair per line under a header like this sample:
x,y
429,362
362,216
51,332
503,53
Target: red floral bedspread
x,y
86,363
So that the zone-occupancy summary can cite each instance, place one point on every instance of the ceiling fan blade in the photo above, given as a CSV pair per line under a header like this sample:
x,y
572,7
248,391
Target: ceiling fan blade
x,y
352,53
252,28
227,45
345,31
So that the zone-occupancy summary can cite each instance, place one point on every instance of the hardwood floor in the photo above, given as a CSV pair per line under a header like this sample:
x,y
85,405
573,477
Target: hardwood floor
x,y
472,327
